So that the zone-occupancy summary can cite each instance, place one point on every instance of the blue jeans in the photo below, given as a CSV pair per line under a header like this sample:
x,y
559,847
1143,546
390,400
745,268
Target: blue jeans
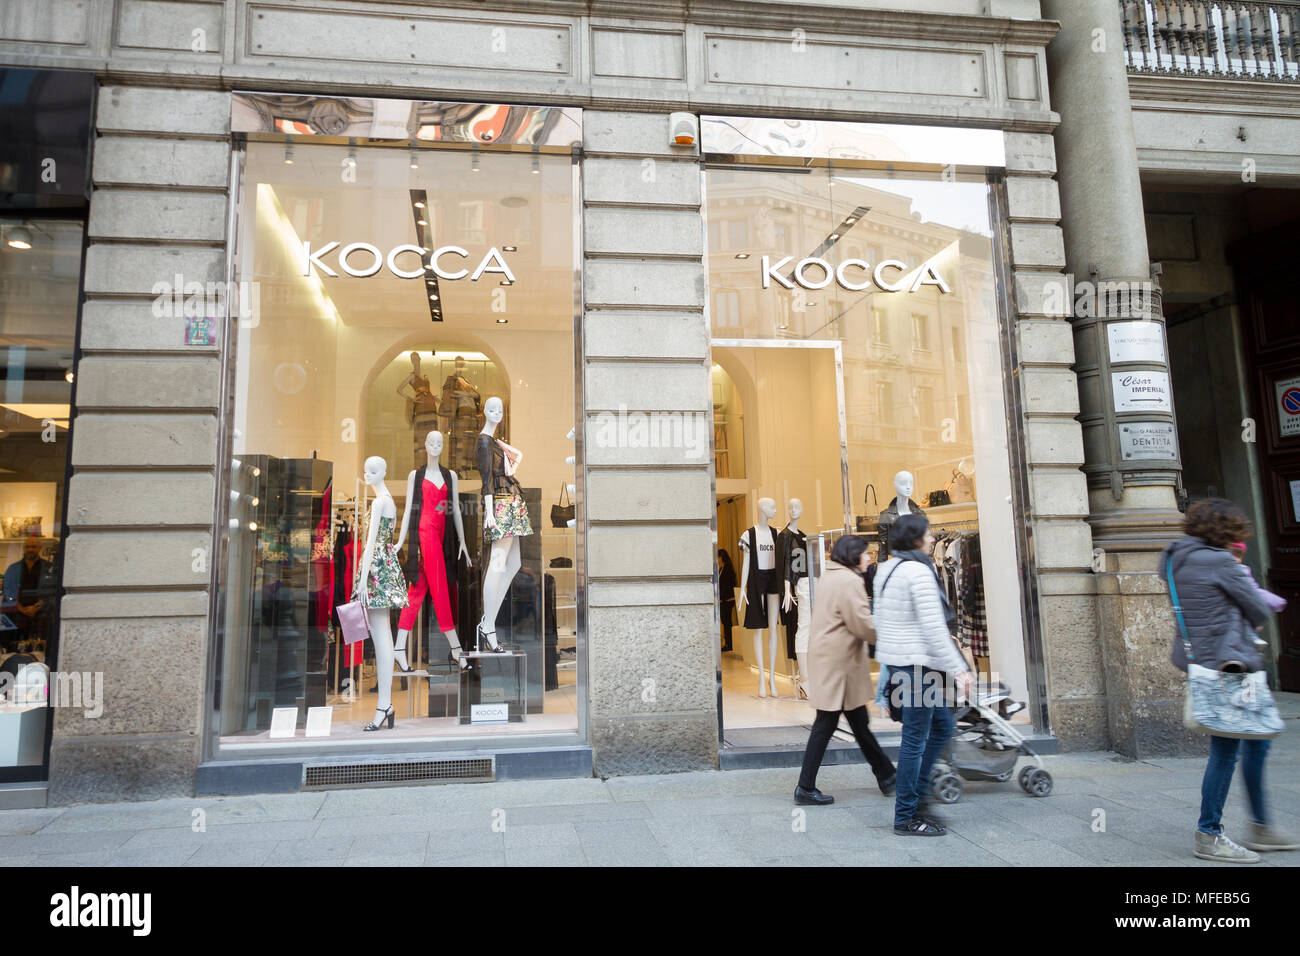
x,y
882,686
926,731
1218,778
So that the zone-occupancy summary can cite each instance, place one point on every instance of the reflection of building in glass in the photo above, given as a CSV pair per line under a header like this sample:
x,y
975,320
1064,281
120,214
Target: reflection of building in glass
x,y
909,357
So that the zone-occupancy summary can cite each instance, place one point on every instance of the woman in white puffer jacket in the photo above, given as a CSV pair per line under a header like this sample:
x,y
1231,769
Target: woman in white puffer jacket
x,y
913,638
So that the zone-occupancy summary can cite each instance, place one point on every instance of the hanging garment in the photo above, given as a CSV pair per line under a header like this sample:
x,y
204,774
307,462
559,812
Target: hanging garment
x,y
764,576
431,576
459,418
385,586
973,627
322,565
344,570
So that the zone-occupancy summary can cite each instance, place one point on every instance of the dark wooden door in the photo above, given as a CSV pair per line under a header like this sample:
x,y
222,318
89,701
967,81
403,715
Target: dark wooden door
x,y
1265,265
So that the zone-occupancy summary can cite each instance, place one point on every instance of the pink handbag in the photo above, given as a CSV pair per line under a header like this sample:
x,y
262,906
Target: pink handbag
x,y
353,618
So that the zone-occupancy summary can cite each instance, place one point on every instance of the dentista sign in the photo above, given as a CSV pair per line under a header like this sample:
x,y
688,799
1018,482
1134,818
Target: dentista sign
x,y
361,259
863,277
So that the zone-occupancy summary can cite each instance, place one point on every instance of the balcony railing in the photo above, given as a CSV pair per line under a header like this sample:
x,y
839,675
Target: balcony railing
x,y
1209,38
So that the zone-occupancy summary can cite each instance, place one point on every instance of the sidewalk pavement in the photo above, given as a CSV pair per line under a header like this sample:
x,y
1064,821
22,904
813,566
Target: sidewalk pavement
x,y
1104,810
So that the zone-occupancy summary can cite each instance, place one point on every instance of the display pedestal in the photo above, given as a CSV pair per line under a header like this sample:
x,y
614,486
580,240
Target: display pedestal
x,y
22,734
494,680
444,689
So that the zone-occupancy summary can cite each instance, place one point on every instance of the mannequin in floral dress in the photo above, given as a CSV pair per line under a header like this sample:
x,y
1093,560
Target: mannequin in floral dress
x,y
383,586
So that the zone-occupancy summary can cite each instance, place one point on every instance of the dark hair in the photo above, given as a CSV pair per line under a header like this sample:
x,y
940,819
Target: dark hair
x,y
1217,522
726,560
906,531
848,550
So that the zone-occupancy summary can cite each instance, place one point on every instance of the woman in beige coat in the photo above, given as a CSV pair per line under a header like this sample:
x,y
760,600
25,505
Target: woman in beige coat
x,y
839,670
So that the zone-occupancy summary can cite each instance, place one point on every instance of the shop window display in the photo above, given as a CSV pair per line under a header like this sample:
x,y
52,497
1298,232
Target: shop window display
x,y
40,272
402,395
866,349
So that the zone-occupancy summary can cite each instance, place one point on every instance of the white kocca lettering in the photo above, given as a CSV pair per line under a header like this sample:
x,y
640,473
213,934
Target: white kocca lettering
x,y
352,260
840,275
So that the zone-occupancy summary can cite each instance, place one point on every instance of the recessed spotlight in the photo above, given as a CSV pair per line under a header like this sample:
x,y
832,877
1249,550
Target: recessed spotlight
x,y
509,248
422,222
834,236
506,282
288,154
429,267
20,237
419,205
502,321
67,376
254,501
850,221
742,255
473,166
252,526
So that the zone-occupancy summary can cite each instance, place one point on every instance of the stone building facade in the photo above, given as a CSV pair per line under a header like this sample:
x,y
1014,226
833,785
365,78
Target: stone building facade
x,y
148,456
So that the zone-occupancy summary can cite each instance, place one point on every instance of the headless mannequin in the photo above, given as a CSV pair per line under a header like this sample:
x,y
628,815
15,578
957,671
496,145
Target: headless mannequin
x,y
381,628
503,564
765,537
794,510
433,448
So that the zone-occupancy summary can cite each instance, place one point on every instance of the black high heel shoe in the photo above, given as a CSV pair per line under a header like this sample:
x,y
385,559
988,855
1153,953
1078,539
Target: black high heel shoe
x,y
458,658
491,638
401,670
378,724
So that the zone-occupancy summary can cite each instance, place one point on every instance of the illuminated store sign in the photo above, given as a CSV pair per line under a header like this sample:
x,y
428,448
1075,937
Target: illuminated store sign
x,y
372,260
840,275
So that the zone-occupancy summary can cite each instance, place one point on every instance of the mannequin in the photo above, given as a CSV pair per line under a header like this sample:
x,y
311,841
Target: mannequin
x,y
382,586
901,505
760,591
458,418
422,411
796,609
427,567
505,517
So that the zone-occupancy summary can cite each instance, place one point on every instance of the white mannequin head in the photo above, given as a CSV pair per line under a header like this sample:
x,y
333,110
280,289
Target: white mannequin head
x,y
494,410
433,444
967,467
375,469
767,508
903,484
794,509
415,361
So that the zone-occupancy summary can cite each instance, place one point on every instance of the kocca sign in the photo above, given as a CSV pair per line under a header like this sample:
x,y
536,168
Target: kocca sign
x,y
840,275
375,260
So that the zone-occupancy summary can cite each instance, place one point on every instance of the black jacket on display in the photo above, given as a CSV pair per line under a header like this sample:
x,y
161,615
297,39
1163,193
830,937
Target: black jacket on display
x,y
759,583
1221,606
887,519
492,462
789,544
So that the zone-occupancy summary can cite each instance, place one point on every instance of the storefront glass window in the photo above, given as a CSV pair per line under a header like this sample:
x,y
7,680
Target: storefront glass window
x,y
40,281
866,351
411,323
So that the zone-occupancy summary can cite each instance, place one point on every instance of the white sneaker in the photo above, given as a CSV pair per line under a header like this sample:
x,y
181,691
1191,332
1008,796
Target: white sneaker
x,y
1211,846
1261,836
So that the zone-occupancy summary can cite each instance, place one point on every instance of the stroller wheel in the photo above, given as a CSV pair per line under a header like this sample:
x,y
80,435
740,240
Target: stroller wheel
x,y
1039,783
1023,779
947,787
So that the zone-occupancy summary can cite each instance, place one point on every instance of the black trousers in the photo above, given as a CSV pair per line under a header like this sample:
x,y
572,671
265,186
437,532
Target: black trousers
x,y
728,609
824,726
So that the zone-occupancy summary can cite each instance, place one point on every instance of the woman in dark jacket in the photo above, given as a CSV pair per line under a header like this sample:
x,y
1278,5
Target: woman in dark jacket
x,y
1222,611
726,596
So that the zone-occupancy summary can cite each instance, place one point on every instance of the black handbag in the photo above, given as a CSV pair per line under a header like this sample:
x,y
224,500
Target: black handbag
x,y
562,514
560,561
869,522
939,498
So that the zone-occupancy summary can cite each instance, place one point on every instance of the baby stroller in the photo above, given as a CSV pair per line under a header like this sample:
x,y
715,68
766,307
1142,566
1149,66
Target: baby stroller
x,y
985,746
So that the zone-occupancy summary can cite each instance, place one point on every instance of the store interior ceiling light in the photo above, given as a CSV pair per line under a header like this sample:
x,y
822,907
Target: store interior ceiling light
x,y
509,248
742,255
502,321
20,237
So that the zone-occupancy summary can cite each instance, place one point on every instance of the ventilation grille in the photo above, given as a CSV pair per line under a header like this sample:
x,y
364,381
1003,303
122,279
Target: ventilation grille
x,y
425,771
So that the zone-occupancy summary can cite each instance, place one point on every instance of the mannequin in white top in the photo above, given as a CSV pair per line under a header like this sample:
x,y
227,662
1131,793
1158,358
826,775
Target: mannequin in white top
x,y
433,443
799,597
381,630
770,610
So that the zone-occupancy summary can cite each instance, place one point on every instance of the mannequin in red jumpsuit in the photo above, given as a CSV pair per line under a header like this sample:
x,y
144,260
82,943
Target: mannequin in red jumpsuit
x,y
428,571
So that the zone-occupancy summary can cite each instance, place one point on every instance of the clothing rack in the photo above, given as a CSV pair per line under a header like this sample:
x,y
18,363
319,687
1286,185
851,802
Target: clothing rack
x,y
966,524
